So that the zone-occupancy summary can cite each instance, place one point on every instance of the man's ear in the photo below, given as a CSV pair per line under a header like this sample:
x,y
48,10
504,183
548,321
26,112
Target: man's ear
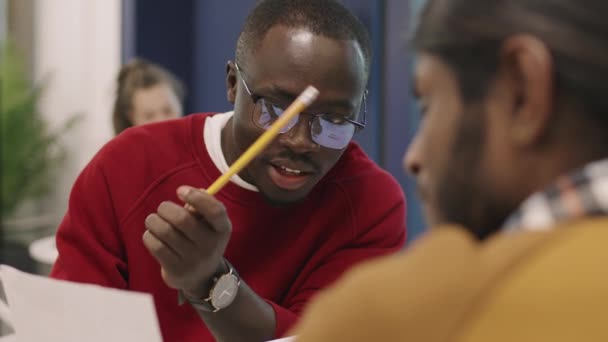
x,y
231,82
531,65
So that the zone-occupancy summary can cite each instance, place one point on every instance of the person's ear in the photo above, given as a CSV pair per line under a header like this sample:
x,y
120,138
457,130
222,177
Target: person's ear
x,y
231,82
529,63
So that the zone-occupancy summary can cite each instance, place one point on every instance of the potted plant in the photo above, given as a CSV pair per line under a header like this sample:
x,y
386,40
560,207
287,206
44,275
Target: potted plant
x,y
30,154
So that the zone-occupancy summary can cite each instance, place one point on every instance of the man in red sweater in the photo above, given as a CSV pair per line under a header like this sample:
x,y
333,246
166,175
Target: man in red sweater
x,y
312,205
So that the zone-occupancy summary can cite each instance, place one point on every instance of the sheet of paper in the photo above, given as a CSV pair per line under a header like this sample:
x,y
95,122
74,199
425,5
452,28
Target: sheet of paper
x,y
8,338
50,310
286,339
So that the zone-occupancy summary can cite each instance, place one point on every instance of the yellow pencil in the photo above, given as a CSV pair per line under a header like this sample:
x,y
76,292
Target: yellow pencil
x,y
306,98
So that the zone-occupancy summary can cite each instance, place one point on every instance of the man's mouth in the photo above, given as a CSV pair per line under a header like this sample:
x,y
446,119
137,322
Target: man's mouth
x,y
288,178
290,172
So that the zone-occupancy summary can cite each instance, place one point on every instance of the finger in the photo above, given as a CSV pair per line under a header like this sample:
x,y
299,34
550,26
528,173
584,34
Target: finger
x,y
168,235
192,227
190,208
168,278
207,206
165,256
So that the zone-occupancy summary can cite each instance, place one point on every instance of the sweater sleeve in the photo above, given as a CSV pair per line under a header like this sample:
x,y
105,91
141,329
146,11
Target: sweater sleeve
x,y
88,239
381,231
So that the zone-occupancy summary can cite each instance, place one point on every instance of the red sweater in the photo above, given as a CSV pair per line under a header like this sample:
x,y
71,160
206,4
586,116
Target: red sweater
x,y
284,254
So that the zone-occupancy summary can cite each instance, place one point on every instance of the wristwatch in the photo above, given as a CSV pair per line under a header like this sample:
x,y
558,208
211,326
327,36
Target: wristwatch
x,y
223,292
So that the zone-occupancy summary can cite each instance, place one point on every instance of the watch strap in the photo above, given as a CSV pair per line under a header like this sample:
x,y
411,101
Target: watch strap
x,y
205,304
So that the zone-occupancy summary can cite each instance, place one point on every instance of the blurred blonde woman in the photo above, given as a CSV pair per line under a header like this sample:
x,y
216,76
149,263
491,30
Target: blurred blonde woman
x,y
146,93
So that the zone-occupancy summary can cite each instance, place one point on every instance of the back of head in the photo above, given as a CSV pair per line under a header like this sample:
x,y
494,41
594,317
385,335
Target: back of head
x,y
322,17
467,35
135,75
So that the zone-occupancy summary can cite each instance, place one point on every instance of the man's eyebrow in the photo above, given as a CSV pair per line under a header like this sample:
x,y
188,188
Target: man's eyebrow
x,y
278,93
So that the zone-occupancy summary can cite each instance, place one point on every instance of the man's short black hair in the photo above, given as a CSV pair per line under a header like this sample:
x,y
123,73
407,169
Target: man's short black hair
x,y
327,18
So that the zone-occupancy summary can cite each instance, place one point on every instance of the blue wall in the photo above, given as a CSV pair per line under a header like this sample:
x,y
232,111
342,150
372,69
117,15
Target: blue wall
x,y
195,39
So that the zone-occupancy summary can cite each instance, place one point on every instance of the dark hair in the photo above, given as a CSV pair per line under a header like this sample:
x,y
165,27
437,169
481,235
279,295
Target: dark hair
x,y
468,34
322,17
135,75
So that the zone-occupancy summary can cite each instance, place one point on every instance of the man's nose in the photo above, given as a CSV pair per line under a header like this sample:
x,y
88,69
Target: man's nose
x,y
411,159
298,138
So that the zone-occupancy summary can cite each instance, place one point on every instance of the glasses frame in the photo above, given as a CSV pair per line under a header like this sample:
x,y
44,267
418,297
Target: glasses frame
x,y
255,98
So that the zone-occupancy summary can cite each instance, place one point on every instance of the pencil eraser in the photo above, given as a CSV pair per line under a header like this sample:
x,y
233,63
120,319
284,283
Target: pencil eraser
x,y
309,95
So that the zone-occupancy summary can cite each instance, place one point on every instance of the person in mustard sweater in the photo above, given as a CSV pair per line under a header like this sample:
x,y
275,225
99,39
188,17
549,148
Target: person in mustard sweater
x,y
510,160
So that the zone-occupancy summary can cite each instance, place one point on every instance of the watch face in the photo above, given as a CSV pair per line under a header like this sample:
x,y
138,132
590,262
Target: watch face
x,y
224,291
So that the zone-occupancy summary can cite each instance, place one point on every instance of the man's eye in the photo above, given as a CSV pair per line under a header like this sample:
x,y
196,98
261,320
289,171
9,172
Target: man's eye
x,y
271,109
335,119
277,110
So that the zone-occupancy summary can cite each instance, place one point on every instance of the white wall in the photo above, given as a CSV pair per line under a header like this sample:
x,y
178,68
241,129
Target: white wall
x,y
3,19
77,51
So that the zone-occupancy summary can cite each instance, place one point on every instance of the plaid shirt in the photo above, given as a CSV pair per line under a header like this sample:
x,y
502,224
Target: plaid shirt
x,y
579,194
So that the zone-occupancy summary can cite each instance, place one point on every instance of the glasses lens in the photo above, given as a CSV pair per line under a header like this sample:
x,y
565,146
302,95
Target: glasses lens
x,y
330,134
324,131
266,113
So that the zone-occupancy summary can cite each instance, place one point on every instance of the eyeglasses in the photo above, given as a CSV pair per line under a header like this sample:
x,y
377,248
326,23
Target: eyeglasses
x,y
328,130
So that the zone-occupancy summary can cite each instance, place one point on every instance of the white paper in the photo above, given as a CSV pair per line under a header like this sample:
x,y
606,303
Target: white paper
x,y
8,338
286,339
49,310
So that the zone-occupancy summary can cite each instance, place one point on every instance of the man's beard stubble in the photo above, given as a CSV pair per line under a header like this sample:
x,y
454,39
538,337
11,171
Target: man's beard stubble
x,y
465,195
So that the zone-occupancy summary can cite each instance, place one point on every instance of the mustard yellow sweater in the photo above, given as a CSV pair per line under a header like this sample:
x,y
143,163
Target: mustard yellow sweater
x,y
523,286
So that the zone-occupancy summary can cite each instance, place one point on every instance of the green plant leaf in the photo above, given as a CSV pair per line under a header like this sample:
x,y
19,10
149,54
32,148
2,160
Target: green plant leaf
x,y
30,153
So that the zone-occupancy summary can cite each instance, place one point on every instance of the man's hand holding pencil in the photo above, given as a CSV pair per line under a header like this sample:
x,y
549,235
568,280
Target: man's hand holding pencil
x,y
189,241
